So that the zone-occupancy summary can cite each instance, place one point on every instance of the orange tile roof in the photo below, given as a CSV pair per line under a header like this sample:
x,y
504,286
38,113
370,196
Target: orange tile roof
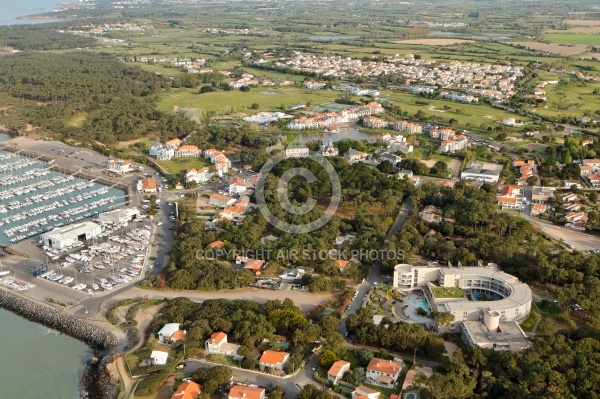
x,y
509,189
255,264
179,334
238,391
272,357
384,366
187,390
507,200
216,244
341,264
188,147
217,338
149,183
336,367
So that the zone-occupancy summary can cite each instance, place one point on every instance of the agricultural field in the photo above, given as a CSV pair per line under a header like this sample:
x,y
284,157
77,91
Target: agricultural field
x,y
555,48
568,38
435,42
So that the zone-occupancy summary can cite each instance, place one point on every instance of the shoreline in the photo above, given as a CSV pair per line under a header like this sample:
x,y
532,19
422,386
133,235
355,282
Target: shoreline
x,y
95,379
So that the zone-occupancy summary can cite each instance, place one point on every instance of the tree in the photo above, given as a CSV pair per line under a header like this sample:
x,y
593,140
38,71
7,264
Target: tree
x,y
309,391
255,106
219,374
248,363
327,358
385,167
244,89
209,387
443,319
329,324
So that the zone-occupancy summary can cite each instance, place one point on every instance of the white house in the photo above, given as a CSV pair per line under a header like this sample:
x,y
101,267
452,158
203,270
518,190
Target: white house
x,y
217,344
296,151
221,200
273,359
383,372
197,175
159,358
170,333
337,370
237,186
119,166
362,392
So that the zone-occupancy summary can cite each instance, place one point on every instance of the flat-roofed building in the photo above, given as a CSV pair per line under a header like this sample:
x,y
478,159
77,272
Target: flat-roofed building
x,y
491,333
65,236
296,151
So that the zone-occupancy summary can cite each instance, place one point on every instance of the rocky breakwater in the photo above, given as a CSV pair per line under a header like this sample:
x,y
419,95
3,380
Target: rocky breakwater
x,y
95,380
77,328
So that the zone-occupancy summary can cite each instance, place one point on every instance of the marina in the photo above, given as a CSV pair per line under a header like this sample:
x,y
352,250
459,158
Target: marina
x,y
36,197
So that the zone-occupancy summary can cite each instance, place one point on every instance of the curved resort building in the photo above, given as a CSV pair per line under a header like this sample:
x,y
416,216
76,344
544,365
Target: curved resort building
x,y
485,302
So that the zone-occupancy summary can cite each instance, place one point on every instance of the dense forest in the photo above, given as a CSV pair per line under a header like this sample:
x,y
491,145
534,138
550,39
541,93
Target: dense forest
x,y
369,200
35,37
118,97
561,366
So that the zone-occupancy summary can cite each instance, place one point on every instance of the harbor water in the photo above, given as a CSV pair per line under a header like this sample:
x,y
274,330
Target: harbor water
x,y
34,198
38,362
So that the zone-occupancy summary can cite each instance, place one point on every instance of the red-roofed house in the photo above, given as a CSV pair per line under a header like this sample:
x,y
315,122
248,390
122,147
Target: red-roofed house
x,y
241,392
337,370
341,264
363,392
217,344
274,359
187,390
149,185
255,266
536,209
216,244
510,197
383,372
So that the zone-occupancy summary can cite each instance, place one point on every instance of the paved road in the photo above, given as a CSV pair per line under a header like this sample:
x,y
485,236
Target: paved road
x,y
292,385
402,216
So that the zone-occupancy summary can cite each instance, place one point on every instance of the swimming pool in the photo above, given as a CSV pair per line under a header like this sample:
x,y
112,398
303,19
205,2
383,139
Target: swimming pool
x,y
421,304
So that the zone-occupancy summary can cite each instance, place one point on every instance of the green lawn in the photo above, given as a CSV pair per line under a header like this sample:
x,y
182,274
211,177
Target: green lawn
x,y
447,292
574,38
570,100
179,165
386,391
528,324
268,98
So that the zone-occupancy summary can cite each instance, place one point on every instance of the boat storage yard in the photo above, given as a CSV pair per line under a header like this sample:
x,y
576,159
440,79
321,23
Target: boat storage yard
x,y
86,239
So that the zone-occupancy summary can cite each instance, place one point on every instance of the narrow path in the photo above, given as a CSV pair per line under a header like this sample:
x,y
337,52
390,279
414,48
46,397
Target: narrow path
x,y
539,318
124,374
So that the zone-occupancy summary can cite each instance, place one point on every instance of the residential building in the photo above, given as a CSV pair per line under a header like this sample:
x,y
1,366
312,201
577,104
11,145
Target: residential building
x,y
442,134
187,390
296,151
373,122
405,174
353,156
170,333
594,163
492,333
237,186
197,175
149,185
220,200
188,150
290,275
256,266
363,392
158,358
594,179
341,265
393,159
407,276
162,152
273,359
537,209
541,195
337,370
510,197
217,344
218,244
407,127
313,85
119,166
246,392
517,163
384,372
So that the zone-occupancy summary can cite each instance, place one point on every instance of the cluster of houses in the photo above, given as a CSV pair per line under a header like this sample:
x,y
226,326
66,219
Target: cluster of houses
x,y
357,91
379,372
460,97
192,65
247,79
451,141
573,204
590,170
494,82
525,169
329,119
